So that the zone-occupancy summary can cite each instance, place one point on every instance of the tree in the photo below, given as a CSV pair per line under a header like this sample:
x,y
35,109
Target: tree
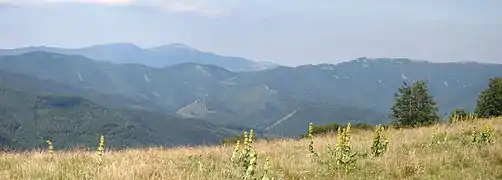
x,y
414,106
490,100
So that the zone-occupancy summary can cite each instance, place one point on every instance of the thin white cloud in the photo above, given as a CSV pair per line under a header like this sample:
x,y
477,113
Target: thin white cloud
x,y
201,7
108,2
42,2
208,8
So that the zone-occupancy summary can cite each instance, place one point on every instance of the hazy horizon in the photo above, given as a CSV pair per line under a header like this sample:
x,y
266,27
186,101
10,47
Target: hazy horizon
x,y
285,32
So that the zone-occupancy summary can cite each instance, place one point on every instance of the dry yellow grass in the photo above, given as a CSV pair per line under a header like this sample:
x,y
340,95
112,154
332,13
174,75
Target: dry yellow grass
x,y
407,158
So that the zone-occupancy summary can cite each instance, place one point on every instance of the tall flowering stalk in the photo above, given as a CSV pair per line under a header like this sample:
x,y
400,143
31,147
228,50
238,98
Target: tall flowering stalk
x,y
266,169
236,155
247,158
49,144
311,140
101,146
342,153
380,142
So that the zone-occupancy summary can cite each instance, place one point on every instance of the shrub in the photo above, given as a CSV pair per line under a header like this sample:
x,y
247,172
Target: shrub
x,y
460,115
231,140
484,136
333,127
477,136
324,129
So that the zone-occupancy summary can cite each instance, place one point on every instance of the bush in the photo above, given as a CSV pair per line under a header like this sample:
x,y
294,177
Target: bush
x,y
232,140
332,128
459,115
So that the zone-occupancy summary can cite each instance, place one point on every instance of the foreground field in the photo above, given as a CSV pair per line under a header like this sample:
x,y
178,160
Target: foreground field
x,y
422,153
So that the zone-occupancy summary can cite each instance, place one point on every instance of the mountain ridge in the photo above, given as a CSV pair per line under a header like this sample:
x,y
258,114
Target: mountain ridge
x,y
360,90
159,56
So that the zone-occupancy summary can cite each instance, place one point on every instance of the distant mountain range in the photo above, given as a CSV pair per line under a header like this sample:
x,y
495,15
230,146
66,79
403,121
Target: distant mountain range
x,y
276,101
161,56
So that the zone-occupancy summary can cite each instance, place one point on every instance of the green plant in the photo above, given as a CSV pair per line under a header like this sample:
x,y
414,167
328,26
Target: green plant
x,y
380,141
49,144
342,153
333,127
247,158
101,147
439,137
266,169
236,155
323,129
311,141
477,136
484,136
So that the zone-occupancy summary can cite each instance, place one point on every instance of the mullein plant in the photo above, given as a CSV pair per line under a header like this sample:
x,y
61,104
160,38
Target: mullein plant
x,y
380,141
101,147
247,157
251,167
484,136
236,154
312,151
266,170
49,144
342,153
438,137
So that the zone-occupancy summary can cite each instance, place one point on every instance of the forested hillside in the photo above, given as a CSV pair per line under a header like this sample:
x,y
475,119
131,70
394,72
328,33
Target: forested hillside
x,y
278,101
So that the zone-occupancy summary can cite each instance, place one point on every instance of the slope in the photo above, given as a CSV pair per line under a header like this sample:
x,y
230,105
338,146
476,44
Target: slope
x,y
409,156
29,118
25,82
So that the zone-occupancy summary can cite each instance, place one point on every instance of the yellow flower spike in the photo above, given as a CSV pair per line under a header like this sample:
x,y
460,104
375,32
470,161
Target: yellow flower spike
x,y
310,137
311,130
235,154
101,146
251,136
49,143
347,135
339,138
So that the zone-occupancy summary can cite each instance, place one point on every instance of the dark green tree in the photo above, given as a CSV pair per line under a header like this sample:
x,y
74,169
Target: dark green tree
x,y
490,100
414,106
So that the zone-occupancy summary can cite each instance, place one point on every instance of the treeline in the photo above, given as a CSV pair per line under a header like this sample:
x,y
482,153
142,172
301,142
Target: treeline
x,y
414,106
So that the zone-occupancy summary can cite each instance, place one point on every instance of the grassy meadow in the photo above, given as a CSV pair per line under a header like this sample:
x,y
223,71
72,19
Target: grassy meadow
x,y
434,152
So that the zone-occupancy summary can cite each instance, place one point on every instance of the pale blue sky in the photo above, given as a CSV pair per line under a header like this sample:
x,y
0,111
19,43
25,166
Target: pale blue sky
x,y
288,32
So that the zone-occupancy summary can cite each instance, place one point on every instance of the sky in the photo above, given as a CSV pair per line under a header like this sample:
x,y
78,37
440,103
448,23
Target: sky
x,y
288,32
